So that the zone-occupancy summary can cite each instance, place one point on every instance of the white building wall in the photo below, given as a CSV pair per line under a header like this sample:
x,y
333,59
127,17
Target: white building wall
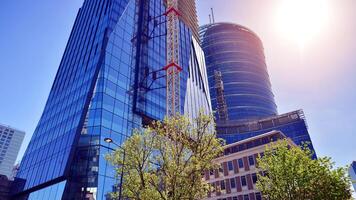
x,y
10,143
197,94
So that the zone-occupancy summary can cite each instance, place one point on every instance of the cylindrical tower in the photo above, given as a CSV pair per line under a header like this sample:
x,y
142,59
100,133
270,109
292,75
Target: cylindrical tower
x,y
239,83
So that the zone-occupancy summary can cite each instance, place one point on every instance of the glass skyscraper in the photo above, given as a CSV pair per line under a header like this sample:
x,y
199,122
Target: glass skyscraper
x,y
239,83
110,80
240,87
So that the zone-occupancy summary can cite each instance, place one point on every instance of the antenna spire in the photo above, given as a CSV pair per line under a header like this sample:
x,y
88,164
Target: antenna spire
x,y
212,14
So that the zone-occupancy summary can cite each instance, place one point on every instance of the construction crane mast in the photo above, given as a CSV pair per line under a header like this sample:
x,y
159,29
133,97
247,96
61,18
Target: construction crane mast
x,y
221,102
173,53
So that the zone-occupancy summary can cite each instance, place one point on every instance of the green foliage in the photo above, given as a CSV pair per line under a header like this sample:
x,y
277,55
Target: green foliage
x,y
166,160
292,174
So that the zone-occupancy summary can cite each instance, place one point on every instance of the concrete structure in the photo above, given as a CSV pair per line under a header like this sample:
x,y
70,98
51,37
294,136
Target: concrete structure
x,y
111,79
236,178
352,173
10,143
239,83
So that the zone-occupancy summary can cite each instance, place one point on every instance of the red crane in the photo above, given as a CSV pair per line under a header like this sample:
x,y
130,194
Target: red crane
x,y
172,68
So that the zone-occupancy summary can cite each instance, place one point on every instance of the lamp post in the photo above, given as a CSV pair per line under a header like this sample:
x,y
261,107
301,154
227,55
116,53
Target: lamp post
x,y
111,141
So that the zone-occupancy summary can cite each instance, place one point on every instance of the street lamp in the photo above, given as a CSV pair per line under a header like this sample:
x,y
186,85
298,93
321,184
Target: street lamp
x,y
111,141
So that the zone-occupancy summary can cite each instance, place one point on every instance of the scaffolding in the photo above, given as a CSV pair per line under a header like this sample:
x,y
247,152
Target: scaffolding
x,y
221,102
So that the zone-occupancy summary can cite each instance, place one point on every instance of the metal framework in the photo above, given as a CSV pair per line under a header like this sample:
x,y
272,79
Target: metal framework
x,y
172,68
221,107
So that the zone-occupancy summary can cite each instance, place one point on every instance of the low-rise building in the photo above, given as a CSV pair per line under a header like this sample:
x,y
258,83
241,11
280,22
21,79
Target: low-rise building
x,y
236,179
292,124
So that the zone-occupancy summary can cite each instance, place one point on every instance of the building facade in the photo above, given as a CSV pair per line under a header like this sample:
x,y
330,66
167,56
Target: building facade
x,y
10,143
236,178
239,83
292,124
352,173
110,81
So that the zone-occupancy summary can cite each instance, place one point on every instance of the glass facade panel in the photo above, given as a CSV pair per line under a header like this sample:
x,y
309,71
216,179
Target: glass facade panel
x,y
53,192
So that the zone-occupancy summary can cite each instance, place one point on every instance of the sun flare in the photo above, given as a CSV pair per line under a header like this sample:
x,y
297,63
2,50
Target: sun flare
x,y
302,20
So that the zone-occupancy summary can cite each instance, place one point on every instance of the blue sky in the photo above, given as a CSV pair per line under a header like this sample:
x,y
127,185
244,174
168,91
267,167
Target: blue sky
x,y
319,78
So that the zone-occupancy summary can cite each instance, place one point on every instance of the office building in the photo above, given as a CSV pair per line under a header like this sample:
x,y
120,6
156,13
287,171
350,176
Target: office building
x,y
352,173
240,87
10,143
236,178
110,80
239,83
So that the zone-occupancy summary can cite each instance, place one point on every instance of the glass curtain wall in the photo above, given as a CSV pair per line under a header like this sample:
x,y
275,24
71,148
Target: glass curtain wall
x,y
235,60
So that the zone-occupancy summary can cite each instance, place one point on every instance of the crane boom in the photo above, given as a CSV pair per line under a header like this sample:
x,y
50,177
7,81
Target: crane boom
x,y
173,53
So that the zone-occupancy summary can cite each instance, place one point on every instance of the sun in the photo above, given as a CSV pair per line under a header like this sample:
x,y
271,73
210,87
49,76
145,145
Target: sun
x,y
302,20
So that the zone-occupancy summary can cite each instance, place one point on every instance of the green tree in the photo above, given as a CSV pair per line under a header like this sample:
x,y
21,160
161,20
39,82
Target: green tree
x,y
165,161
290,173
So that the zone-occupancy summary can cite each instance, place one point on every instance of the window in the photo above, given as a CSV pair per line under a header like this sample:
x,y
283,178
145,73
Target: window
x,y
258,196
251,160
241,163
222,185
211,172
230,166
265,173
265,140
246,197
254,178
243,181
232,183
234,198
221,169
213,187
242,147
250,145
227,151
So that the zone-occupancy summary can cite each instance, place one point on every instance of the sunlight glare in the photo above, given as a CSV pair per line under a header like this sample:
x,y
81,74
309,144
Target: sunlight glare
x,y
302,20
